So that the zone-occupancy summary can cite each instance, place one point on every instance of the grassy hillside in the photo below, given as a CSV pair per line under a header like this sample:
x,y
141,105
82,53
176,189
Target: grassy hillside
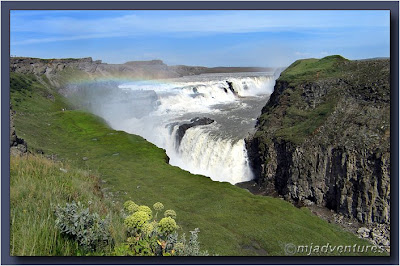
x,y
231,220
37,185
311,69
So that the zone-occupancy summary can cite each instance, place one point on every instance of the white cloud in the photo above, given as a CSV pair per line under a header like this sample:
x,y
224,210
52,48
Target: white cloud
x,y
66,38
297,53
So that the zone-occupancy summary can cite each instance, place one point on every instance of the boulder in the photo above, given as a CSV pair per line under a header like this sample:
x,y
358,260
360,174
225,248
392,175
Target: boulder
x,y
197,121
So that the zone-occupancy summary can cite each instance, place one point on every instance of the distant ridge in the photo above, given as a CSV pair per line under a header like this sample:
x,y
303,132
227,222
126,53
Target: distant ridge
x,y
90,69
373,58
145,63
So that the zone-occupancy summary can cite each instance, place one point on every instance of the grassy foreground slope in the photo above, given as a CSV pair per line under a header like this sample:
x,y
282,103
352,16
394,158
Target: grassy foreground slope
x,y
37,186
231,220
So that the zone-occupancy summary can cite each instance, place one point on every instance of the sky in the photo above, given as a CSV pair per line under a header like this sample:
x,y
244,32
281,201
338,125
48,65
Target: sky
x,y
265,38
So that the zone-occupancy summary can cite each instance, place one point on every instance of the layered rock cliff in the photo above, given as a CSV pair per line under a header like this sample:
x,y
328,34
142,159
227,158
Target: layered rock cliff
x,y
324,136
60,72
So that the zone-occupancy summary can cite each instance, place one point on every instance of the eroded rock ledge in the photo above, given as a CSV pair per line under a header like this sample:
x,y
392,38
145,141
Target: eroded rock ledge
x,y
197,121
18,146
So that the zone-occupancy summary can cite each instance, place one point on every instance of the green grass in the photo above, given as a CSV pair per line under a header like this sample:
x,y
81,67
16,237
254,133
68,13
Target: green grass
x,y
299,123
313,69
296,122
37,185
229,218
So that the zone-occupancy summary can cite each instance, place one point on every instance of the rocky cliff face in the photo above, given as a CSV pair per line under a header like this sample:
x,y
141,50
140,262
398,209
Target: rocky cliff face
x,y
324,136
50,69
197,121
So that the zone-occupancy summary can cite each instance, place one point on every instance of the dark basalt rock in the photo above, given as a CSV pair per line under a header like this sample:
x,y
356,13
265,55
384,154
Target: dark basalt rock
x,y
18,146
326,140
230,85
197,121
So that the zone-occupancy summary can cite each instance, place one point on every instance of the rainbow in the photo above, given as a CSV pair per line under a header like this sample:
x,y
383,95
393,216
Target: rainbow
x,y
121,80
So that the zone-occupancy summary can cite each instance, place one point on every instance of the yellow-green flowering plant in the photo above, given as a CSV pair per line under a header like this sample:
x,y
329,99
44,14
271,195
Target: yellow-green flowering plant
x,y
147,229
147,237
136,220
167,225
158,206
170,213
147,210
130,207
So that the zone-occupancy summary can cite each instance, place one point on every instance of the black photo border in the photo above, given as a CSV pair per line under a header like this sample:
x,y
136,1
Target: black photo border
x,y
6,6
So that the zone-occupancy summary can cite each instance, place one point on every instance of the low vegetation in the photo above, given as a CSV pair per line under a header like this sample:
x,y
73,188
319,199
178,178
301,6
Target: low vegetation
x,y
44,223
37,186
148,236
313,69
298,122
79,224
232,221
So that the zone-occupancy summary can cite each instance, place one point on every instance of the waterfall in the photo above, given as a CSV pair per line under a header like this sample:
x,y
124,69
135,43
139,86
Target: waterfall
x,y
221,159
216,150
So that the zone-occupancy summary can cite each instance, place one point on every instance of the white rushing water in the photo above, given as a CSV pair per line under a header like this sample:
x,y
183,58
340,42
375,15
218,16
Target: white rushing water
x,y
216,150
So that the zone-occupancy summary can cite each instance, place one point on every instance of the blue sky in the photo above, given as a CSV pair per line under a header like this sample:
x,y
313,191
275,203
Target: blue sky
x,y
207,38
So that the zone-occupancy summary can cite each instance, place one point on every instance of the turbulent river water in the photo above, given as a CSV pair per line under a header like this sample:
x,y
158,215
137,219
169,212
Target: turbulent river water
x,y
156,109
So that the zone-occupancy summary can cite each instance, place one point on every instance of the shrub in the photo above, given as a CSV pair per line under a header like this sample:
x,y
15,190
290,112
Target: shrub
x,y
192,248
88,229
